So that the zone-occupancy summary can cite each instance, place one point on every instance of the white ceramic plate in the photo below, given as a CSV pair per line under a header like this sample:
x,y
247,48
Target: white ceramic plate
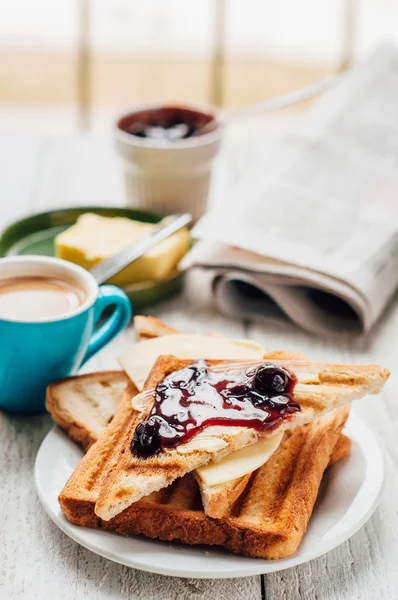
x,y
350,493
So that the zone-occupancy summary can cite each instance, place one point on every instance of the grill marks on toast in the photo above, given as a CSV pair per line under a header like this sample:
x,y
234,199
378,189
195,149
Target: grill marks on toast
x,y
89,474
268,520
292,467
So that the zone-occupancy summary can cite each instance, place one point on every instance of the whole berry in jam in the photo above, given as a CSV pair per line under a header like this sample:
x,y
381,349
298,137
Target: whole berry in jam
x,y
271,380
146,440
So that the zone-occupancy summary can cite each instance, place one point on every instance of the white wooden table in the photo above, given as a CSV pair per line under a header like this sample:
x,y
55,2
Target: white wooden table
x,y
37,560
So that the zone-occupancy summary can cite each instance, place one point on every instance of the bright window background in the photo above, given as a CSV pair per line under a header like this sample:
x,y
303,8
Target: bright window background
x,y
161,50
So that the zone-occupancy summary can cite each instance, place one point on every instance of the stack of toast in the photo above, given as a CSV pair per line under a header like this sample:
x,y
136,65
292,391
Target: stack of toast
x,y
264,510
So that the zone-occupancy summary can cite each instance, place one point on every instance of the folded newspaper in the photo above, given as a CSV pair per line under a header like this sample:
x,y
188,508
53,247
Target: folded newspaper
x,y
315,237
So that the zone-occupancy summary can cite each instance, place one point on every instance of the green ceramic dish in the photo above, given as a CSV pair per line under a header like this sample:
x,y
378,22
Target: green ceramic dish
x,y
35,235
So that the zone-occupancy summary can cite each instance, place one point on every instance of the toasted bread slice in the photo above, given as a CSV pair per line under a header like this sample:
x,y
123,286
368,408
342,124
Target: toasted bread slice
x,y
219,498
269,519
84,405
216,499
73,405
320,388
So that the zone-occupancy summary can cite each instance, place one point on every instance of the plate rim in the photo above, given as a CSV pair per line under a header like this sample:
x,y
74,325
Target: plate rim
x,y
259,566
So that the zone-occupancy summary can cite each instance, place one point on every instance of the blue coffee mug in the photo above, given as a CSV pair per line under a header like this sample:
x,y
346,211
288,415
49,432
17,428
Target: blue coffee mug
x,y
35,353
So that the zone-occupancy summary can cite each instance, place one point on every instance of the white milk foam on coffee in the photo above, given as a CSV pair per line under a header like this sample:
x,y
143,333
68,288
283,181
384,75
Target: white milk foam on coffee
x,y
38,298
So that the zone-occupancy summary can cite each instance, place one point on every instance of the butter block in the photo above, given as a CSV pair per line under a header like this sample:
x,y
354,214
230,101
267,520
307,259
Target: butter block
x,y
94,238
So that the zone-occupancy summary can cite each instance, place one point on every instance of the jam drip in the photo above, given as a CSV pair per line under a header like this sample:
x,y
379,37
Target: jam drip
x,y
191,399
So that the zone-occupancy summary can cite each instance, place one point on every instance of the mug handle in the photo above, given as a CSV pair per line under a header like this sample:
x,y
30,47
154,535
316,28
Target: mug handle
x,y
108,295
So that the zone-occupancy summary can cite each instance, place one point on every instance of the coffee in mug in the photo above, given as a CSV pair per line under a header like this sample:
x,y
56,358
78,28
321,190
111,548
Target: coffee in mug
x,y
37,298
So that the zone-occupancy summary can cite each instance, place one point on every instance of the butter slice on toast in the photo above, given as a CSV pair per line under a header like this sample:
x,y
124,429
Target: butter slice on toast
x,y
320,388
